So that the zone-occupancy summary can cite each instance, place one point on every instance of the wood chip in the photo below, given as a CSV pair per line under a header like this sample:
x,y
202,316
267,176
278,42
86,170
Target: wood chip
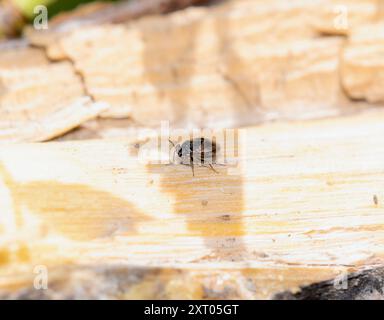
x,y
39,100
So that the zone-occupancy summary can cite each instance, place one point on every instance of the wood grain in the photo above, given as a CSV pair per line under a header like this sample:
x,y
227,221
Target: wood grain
x,y
304,203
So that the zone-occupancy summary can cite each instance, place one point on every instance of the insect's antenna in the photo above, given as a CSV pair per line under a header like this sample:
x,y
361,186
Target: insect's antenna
x,y
174,146
193,169
171,142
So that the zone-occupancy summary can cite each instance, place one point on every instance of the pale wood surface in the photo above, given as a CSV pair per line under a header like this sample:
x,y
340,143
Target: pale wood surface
x,y
304,205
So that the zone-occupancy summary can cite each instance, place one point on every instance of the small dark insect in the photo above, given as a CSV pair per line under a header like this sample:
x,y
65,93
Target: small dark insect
x,y
375,200
198,151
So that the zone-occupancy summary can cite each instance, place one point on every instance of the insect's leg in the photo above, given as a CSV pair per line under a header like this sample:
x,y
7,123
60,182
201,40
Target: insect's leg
x,y
191,164
213,169
177,148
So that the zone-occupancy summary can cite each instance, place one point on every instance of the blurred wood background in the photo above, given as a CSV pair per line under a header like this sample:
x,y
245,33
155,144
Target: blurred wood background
x,y
300,81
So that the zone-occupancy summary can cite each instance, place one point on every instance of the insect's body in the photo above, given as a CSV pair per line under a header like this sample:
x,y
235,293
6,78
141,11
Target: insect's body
x,y
198,151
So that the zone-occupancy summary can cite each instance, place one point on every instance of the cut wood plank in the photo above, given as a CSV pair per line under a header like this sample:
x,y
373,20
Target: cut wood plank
x,y
39,100
304,204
